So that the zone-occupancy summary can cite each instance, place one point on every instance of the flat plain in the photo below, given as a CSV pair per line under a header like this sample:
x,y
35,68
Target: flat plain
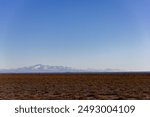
x,y
111,86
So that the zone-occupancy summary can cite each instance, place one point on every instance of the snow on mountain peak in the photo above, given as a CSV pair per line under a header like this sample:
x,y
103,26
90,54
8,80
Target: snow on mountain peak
x,y
37,66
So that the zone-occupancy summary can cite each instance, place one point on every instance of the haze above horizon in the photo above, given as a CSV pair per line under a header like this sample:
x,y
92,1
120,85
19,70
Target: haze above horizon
x,y
97,34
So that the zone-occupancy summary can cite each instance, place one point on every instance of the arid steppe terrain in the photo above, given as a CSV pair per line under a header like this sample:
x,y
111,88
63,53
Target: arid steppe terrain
x,y
75,86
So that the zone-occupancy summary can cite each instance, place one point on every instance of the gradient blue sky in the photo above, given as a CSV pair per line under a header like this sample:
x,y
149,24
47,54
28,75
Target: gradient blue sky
x,y
76,33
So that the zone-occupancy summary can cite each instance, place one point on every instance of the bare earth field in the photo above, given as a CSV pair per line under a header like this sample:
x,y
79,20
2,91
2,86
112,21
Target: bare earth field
x,y
75,86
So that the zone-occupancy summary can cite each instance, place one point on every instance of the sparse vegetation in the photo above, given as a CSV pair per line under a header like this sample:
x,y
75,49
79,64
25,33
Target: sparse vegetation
x,y
75,86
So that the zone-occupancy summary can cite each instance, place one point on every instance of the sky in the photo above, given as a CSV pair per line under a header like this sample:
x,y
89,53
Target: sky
x,y
97,34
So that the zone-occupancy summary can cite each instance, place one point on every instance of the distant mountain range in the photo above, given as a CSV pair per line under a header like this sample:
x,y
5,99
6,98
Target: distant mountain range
x,y
39,68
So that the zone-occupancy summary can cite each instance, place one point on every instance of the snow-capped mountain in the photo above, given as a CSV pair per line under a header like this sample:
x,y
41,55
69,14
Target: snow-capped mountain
x,y
39,68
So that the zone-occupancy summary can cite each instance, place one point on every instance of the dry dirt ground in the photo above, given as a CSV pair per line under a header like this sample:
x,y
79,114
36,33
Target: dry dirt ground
x,y
75,86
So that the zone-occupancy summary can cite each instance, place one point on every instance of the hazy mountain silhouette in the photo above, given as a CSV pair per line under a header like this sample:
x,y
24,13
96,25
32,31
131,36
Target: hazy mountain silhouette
x,y
39,68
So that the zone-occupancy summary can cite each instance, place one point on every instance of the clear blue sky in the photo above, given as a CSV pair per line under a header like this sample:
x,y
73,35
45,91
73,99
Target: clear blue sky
x,y
76,33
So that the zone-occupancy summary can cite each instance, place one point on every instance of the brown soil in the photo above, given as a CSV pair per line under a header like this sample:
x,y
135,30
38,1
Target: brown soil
x,y
74,86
